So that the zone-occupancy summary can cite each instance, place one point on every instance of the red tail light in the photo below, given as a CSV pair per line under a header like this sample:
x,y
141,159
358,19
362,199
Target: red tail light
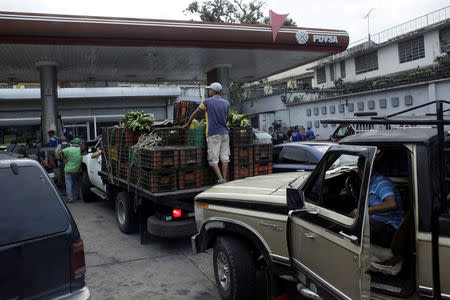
x,y
78,262
176,213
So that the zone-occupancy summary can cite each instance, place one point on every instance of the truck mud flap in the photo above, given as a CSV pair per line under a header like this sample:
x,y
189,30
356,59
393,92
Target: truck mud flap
x,y
171,229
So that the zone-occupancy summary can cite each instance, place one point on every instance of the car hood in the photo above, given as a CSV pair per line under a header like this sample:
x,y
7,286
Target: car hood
x,y
265,188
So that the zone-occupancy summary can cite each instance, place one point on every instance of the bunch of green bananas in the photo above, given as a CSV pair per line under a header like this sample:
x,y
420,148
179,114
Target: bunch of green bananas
x,y
237,120
138,121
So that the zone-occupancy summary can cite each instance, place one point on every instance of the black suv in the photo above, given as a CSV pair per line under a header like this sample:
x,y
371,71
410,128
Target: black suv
x,y
41,252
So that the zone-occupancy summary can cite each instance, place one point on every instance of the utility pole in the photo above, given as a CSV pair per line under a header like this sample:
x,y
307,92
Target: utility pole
x,y
368,18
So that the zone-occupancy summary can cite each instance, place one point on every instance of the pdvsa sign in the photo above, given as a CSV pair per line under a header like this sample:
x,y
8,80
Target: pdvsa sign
x,y
325,39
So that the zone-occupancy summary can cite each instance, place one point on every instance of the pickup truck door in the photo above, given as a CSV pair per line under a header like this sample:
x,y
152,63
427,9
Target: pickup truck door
x,y
329,249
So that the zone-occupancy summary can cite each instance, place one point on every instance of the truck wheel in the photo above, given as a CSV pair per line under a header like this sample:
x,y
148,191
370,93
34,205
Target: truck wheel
x,y
234,269
126,217
85,188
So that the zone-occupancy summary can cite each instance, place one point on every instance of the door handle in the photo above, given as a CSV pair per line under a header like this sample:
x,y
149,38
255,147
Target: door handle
x,y
350,237
309,235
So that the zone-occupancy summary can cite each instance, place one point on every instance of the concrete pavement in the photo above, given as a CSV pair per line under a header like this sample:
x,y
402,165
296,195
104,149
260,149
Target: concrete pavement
x,y
119,267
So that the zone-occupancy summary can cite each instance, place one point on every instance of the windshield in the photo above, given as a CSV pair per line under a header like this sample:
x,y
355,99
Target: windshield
x,y
344,162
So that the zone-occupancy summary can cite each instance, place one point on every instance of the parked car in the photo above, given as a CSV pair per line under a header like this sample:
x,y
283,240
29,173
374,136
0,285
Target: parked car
x,y
41,251
297,156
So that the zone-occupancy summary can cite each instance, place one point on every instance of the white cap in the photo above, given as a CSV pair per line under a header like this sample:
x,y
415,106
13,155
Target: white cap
x,y
215,86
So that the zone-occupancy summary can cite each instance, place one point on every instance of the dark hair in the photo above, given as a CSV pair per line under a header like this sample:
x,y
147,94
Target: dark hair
x,y
309,127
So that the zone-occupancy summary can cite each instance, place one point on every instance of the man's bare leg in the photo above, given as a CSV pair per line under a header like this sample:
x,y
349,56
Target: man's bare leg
x,y
217,171
225,170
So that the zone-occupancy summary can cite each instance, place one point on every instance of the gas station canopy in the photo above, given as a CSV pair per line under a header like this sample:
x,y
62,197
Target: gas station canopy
x,y
139,50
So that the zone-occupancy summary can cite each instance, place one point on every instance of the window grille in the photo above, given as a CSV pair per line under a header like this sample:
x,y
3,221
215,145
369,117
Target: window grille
x,y
332,109
366,63
411,50
342,69
383,103
371,104
321,75
317,123
308,112
360,105
351,107
394,101
324,110
341,108
331,73
444,39
316,111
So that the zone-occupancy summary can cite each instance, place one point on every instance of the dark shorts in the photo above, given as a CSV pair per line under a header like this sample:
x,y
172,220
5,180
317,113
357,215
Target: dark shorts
x,y
381,234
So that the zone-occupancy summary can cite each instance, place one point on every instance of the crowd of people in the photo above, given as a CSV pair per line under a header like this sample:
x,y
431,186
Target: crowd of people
x,y
294,134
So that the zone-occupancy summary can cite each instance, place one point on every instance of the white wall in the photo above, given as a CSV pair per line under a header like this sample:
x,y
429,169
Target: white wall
x,y
388,61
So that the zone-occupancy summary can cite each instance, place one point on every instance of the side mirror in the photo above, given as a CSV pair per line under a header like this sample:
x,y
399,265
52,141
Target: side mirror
x,y
295,199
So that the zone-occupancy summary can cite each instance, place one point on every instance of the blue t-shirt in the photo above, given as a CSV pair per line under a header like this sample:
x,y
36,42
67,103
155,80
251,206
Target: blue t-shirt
x,y
380,188
296,136
310,135
216,110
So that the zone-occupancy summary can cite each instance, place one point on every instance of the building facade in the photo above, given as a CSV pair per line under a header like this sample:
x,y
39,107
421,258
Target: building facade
x,y
386,74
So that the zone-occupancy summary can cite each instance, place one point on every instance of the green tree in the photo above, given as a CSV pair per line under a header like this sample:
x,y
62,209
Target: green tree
x,y
287,22
228,11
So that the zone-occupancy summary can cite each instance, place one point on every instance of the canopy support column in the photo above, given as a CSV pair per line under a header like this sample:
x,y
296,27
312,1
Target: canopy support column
x,y
49,95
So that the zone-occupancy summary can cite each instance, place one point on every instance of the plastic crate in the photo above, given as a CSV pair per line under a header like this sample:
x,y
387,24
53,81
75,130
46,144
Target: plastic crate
x,y
241,135
190,178
122,153
190,157
242,169
114,153
158,181
170,136
263,152
159,157
127,137
263,168
183,110
196,137
239,152
134,158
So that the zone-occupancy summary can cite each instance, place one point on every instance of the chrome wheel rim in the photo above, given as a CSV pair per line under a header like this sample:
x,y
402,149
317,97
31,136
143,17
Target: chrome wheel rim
x,y
223,271
121,212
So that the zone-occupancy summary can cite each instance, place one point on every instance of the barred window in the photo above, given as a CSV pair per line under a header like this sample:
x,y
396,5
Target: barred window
x,y
360,105
383,103
332,73
342,69
321,75
367,62
324,110
308,112
332,109
411,50
316,111
371,104
444,39
341,108
395,101
351,107
317,123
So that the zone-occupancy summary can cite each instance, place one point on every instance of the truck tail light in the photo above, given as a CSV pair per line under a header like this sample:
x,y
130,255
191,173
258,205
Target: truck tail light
x,y
176,213
78,262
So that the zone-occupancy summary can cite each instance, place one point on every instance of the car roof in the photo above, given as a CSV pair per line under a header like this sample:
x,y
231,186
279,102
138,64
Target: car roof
x,y
305,144
6,158
397,135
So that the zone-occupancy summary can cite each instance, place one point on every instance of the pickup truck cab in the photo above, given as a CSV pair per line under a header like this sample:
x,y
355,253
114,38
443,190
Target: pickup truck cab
x,y
298,226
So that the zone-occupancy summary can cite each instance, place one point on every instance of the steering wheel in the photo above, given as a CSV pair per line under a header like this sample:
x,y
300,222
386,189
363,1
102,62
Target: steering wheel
x,y
352,189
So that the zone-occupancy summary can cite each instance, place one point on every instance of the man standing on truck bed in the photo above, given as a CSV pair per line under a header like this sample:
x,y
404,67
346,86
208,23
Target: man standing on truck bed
x,y
217,138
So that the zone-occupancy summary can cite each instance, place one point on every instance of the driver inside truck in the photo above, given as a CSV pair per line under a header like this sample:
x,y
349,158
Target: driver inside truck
x,y
385,205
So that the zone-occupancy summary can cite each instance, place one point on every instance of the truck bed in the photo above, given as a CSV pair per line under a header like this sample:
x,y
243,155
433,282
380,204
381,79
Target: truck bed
x,y
176,198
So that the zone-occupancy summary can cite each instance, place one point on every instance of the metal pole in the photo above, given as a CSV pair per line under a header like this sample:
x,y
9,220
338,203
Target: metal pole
x,y
49,94
436,204
95,127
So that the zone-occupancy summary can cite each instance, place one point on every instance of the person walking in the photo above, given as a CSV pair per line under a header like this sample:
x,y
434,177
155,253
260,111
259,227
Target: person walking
x,y
62,182
72,158
310,134
217,138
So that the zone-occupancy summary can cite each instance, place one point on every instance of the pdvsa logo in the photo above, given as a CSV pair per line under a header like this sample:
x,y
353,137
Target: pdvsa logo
x,y
302,37
325,39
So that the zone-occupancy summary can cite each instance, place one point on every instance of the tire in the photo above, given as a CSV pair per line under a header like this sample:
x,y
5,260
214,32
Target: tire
x,y
85,188
125,215
234,269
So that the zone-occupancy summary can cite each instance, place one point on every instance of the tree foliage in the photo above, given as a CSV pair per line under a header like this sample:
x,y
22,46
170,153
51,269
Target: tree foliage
x,y
232,11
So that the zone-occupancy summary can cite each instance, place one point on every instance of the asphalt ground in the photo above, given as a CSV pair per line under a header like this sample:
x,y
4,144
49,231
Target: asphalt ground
x,y
119,267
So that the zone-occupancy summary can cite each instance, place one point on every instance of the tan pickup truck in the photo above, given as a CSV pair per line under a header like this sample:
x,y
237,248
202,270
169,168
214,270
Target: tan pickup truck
x,y
313,237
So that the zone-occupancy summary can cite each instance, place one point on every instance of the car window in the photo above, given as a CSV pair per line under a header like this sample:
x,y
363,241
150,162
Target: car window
x,y
297,155
29,206
341,132
329,190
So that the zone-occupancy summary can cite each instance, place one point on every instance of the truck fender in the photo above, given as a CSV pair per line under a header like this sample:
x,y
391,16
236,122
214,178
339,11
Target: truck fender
x,y
213,228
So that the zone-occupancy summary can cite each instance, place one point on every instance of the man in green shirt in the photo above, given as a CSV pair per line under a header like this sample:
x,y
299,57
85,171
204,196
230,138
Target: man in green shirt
x,y
72,159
